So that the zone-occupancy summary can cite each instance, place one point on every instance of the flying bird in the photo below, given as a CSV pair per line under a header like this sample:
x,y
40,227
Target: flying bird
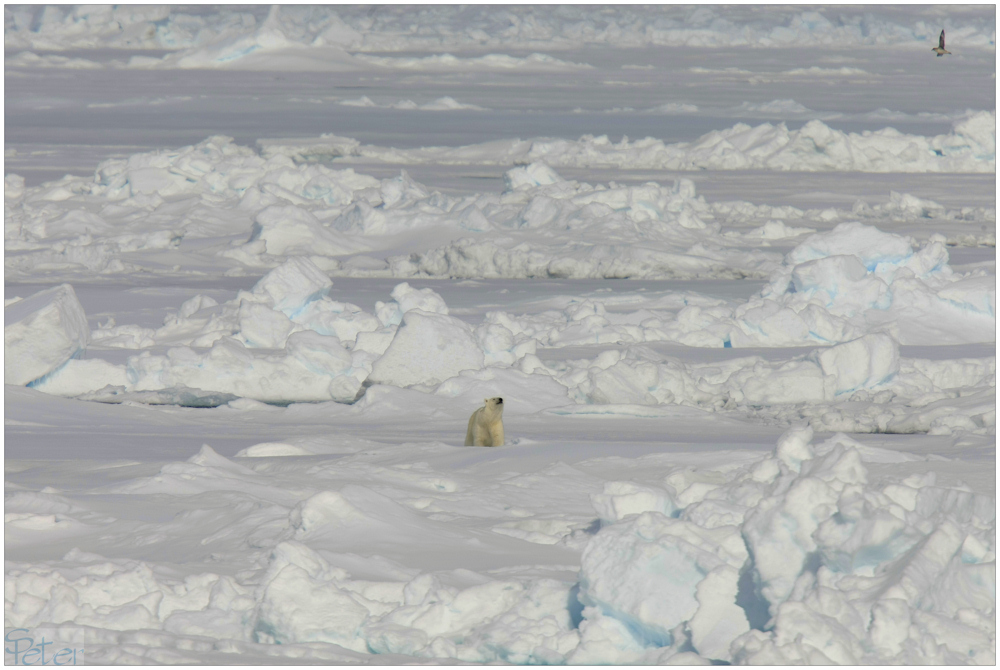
x,y
939,49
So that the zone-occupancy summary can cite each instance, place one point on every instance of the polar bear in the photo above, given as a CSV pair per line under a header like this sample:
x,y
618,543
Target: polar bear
x,y
486,425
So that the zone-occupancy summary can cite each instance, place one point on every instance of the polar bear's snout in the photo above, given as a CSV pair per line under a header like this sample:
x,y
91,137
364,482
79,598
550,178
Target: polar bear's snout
x,y
499,401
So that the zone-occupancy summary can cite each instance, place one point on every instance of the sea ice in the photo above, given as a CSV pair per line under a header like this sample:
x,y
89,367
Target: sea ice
x,y
800,555
216,203
238,33
645,509
855,293
42,332
815,147
428,348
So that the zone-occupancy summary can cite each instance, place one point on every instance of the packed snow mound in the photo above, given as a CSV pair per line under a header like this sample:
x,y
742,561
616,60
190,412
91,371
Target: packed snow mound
x,y
861,386
41,333
290,287
311,367
428,348
283,341
286,230
404,298
220,167
856,279
818,552
815,147
613,231
862,363
439,28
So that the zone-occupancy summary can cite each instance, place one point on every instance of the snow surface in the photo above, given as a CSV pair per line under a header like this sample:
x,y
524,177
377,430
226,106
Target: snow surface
x,y
240,358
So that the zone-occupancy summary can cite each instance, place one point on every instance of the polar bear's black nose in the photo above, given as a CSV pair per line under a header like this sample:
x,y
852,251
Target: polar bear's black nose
x,y
499,401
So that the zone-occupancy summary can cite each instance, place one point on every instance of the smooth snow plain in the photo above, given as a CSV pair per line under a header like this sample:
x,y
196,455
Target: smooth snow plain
x,y
732,271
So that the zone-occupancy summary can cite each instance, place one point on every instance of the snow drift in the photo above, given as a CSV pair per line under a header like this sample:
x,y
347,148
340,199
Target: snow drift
x,y
816,553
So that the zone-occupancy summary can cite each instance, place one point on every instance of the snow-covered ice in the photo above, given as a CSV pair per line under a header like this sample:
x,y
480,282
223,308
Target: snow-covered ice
x,y
970,147
742,562
731,269
41,333
515,28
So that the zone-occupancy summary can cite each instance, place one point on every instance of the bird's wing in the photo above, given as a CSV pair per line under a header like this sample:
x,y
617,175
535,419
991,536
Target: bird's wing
x,y
941,40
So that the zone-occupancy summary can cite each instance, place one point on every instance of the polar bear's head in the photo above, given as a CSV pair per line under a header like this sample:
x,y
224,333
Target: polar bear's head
x,y
493,407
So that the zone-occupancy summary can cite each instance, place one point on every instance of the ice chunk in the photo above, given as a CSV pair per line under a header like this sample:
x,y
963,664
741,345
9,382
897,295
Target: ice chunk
x,y
719,620
178,395
425,299
262,326
428,348
498,343
527,176
405,298
620,499
41,333
13,188
271,449
815,536
794,447
778,230
606,639
840,278
842,284
301,602
290,230
869,244
312,368
863,363
77,377
792,382
321,353
645,571
292,285
341,320
975,294
375,342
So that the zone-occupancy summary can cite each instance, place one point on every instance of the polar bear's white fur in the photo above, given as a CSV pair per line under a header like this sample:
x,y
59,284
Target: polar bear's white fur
x,y
486,425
